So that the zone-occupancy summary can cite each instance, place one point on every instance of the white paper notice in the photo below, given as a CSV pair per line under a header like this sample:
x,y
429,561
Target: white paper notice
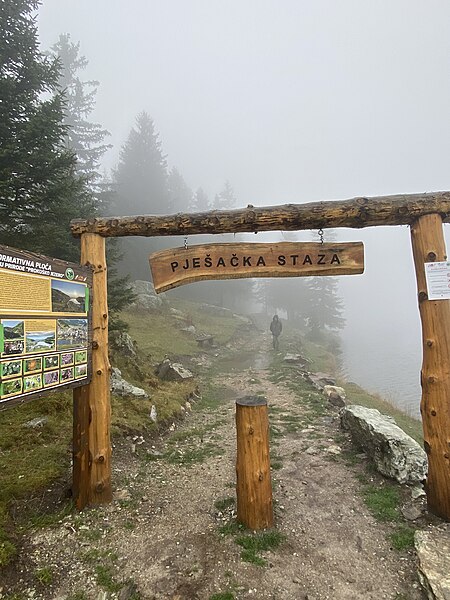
x,y
438,280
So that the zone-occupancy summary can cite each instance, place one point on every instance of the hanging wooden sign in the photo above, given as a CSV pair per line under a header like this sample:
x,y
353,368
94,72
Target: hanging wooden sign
x,y
178,266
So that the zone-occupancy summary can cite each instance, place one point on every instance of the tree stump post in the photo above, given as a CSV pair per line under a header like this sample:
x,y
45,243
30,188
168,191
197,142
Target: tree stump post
x,y
92,409
254,488
429,246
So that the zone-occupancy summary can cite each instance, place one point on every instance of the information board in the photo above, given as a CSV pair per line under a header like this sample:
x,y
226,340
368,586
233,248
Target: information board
x,y
45,325
438,280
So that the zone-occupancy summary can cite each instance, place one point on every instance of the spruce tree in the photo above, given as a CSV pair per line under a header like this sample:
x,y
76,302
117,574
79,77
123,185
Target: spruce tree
x,y
200,201
40,191
226,198
84,138
141,175
180,195
87,141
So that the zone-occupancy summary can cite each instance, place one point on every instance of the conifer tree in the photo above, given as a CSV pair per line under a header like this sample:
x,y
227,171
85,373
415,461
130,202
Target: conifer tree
x,y
180,195
141,175
40,191
84,138
200,201
226,198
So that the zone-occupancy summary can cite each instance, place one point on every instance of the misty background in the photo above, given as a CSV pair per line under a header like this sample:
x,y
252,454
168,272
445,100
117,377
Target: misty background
x,y
288,101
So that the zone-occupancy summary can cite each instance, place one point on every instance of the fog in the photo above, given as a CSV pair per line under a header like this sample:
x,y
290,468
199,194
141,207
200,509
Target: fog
x,y
290,101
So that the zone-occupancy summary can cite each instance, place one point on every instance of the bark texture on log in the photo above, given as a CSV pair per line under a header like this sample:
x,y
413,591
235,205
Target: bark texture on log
x,y
92,410
254,487
429,246
401,209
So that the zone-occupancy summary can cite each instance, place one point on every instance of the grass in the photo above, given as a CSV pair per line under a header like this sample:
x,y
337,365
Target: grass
x,y
105,579
402,538
44,576
256,543
190,456
222,596
383,502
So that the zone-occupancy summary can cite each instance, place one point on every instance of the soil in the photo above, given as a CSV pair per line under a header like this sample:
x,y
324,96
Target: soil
x,y
161,537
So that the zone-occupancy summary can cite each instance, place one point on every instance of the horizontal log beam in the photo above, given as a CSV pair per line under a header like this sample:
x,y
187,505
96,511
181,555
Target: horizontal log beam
x,y
402,209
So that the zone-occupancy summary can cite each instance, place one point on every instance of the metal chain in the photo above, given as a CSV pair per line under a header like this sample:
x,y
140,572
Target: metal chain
x,y
320,232
185,242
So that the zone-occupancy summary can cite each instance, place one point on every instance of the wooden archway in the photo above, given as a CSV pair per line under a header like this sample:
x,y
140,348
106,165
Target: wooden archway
x,y
424,213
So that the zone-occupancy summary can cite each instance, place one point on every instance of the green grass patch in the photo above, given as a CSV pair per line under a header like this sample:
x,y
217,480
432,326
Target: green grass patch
x,y
383,502
254,544
223,596
402,538
44,576
105,579
190,456
231,528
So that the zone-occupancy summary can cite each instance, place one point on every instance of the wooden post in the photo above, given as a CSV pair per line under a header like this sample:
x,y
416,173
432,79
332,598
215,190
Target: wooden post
x,y
428,246
92,410
254,488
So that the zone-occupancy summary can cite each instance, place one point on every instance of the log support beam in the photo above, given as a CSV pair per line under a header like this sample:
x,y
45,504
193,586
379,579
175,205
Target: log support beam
x,y
254,487
360,212
429,246
92,411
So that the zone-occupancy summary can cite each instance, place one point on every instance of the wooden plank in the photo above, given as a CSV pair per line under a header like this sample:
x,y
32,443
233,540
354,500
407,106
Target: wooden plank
x,y
429,246
92,402
253,486
402,209
178,266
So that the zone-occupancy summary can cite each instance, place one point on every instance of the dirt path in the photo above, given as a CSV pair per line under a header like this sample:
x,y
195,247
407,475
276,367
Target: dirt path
x,y
170,533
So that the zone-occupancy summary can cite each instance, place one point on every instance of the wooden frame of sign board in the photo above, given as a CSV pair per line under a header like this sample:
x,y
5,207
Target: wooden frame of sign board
x,y
23,277
424,213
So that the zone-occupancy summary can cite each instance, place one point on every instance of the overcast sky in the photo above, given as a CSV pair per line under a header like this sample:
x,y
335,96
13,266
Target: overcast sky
x,y
290,100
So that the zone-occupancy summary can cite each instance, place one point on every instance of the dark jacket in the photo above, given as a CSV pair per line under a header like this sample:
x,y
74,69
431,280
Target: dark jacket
x,y
276,327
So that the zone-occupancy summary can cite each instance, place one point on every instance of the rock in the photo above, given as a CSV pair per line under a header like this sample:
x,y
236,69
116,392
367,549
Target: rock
x,y
417,491
188,329
336,400
127,592
146,297
218,311
37,422
320,380
171,371
294,359
177,313
335,395
153,414
120,340
334,450
433,552
311,450
122,388
394,453
411,512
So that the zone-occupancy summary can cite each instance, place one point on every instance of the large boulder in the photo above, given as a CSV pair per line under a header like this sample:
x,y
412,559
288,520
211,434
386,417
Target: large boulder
x,y
433,553
146,297
121,341
121,387
172,371
320,380
394,453
335,395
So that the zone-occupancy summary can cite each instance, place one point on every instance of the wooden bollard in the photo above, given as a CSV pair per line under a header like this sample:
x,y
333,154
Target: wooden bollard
x,y
254,488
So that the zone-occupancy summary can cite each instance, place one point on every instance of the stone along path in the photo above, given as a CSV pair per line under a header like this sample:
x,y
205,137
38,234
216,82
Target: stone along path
x,y
171,533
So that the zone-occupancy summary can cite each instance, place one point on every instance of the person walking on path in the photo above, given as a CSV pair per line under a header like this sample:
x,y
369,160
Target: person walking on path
x,y
276,328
